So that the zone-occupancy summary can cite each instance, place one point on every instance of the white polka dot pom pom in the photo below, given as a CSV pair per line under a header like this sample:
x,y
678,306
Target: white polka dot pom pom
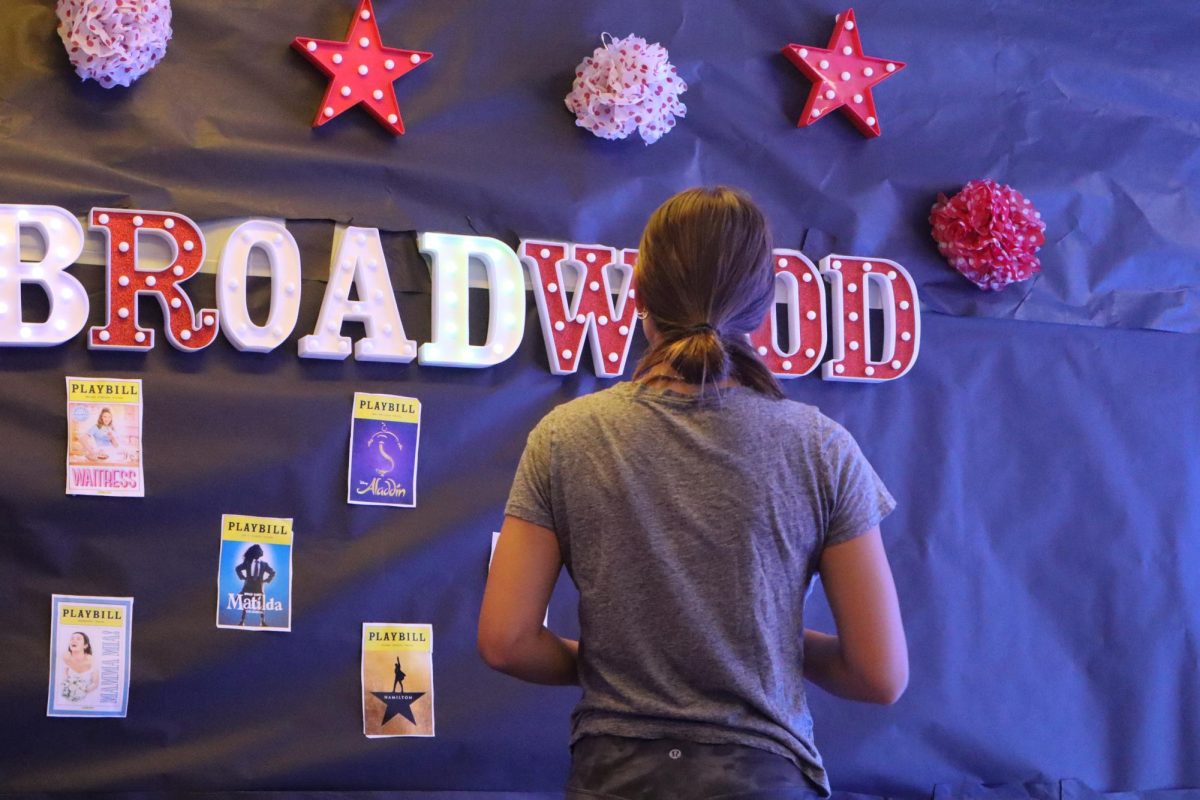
x,y
627,86
114,42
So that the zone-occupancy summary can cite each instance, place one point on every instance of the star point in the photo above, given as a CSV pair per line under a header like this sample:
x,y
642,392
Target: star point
x,y
842,76
360,70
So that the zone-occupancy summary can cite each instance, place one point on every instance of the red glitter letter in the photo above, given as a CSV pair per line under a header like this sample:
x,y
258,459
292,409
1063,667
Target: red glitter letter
x,y
592,308
126,281
804,295
851,277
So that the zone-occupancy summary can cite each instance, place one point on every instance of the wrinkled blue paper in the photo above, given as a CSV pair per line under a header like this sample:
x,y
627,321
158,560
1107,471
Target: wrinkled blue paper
x,y
1045,544
1091,108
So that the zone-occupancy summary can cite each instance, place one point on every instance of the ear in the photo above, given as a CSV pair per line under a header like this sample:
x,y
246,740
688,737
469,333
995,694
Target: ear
x,y
649,330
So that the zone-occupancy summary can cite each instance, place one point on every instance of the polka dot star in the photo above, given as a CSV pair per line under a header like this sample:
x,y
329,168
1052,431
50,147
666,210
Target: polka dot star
x,y
361,70
842,76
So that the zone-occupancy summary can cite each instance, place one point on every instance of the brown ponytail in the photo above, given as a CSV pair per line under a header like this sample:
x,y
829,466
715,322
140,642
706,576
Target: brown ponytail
x,y
704,276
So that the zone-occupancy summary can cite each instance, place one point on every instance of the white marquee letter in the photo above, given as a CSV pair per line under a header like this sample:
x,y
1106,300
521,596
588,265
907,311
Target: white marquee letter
x,y
449,260
358,262
280,247
63,236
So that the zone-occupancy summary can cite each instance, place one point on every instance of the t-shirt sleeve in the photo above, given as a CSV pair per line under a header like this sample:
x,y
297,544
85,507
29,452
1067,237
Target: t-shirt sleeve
x,y
859,500
530,498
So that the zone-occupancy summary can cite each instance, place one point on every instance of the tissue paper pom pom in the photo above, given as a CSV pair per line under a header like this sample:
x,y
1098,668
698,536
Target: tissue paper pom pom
x,y
989,232
627,85
114,41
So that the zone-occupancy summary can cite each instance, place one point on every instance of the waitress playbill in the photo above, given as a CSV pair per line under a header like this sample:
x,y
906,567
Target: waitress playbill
x,y
104,437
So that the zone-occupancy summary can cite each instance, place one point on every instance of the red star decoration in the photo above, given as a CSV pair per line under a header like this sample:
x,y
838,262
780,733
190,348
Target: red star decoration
x,y
361,70
842,76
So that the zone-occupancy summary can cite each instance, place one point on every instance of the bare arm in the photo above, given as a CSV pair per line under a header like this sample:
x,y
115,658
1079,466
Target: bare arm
x,y
512,638
868,658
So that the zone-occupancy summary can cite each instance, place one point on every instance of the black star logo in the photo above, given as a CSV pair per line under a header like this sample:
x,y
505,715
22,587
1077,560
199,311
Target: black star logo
x,y
398,703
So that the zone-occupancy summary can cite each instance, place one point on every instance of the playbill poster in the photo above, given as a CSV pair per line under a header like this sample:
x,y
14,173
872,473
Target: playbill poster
x,y
104,437
254,573
397,679
89,656
384,432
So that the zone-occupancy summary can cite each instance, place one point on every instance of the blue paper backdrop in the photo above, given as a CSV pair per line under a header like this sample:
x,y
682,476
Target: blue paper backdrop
x,y
1045,545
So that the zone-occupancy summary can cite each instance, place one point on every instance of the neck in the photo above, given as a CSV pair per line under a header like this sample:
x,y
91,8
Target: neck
x,y
663,374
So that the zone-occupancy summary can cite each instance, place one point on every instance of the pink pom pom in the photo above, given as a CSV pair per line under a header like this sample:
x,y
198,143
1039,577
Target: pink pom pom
x,y
114,42
990,233
627,85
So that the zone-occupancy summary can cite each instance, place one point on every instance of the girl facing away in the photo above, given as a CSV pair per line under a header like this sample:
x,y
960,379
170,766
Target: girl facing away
x,y
692,506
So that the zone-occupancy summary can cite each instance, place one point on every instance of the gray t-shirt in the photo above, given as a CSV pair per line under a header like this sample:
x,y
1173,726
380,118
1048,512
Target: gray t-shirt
x,y
692,528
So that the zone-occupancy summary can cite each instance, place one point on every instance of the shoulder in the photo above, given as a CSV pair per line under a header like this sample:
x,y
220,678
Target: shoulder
x,y
588,407
804,427
788,416
791,419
